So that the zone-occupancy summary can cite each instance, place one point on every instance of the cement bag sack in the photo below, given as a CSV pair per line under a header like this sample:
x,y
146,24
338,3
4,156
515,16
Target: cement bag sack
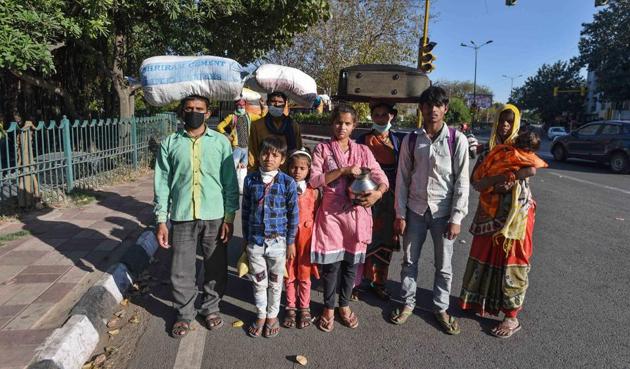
x,y
166,79
297,85
250,95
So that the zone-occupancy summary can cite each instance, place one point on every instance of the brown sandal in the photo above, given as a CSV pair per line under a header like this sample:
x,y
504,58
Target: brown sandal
x,y
213,321
180,328
326,324
289,318
349,320
304,320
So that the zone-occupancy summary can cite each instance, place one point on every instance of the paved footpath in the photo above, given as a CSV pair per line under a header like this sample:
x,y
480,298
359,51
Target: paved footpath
x,y
44,274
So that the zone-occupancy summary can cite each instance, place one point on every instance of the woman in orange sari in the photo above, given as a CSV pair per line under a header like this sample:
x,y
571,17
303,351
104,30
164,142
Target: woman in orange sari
x,y
495,279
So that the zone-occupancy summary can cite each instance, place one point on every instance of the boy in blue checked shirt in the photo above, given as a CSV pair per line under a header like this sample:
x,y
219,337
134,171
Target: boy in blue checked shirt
x,y
270,219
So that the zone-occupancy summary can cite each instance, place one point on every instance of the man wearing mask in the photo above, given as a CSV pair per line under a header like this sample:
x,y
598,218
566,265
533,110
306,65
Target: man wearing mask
x,y
275,123
385,146
195,187
238,126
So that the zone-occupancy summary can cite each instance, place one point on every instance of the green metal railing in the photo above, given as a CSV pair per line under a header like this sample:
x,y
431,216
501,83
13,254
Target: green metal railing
x,y
44,160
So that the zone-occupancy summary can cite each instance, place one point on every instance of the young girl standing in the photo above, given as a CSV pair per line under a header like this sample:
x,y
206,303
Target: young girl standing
x,y
342,230
297,284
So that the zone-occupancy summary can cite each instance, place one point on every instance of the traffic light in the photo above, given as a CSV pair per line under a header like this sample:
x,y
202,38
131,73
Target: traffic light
x,y
426,57
601,2
511,2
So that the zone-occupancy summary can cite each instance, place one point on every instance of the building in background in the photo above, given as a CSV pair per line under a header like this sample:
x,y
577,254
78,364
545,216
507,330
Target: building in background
x,y
598,109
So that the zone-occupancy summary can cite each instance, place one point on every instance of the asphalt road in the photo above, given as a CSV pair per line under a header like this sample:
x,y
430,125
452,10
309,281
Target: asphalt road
x,y
575,314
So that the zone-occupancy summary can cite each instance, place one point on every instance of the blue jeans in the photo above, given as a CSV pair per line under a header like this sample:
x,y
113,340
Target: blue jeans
x,y
415,234
240,156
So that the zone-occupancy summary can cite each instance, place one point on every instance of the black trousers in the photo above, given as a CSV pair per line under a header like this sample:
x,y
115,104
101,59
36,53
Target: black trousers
x,y
332,273
186,237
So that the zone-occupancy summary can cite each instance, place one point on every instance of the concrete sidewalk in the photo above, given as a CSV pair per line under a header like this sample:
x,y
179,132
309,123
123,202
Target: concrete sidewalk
x,y
42,275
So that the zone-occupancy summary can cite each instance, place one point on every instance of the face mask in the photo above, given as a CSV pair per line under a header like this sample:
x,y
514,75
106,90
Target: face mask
x,y
301,186
267,177
193,119
239,111
381,129
276,111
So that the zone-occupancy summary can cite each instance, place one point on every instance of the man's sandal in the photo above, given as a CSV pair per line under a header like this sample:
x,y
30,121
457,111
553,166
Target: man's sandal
x,y
400,316
450,325
304,319
289,318
213,321
326,324
180,328
503,331
349,320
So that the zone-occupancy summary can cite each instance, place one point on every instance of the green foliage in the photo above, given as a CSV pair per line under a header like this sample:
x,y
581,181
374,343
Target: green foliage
x,y
604,47
311,118
458,112
358,32
461,88
536,94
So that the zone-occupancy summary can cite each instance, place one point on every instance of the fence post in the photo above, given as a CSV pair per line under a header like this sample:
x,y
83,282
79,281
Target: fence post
x,y
134,141
67,149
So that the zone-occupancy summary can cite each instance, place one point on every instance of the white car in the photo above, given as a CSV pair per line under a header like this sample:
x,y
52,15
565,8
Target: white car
x,y
554,132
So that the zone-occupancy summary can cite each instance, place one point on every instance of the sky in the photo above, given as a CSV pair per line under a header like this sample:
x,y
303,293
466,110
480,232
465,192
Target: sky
x,y
524,36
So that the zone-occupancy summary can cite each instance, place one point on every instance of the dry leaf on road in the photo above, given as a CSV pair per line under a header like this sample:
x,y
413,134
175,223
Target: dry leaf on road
x,y
113,332
301,360
237,323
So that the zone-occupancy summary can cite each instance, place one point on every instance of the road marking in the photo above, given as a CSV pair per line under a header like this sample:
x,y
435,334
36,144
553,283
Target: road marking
x,y
612,188
191,346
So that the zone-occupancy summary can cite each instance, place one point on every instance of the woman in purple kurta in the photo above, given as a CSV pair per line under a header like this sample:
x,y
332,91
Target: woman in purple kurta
x,y
342,230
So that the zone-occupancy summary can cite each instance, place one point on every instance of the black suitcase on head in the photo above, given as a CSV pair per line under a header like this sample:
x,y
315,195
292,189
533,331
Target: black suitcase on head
x,y
382,82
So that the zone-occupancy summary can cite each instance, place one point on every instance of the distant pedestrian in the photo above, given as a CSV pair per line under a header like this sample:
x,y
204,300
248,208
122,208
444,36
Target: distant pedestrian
x,y
431,197
496,276
275,123
299,267
342,229
195,187
270,223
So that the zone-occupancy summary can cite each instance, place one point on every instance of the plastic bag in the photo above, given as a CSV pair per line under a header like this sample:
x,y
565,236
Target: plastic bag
x,y
241,173
297,85
166,79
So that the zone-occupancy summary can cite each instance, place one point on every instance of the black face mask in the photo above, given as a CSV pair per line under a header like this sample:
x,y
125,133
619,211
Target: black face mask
x,y
193,119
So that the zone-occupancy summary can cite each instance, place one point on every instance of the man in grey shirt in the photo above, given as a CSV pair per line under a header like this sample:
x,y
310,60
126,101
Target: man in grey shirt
x,y
431,197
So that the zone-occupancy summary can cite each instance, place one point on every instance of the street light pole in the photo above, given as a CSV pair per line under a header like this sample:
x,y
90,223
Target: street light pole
x,y
476,47
512,78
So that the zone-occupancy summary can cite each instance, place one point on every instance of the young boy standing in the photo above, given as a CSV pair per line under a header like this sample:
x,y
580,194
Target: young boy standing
x,y
270,219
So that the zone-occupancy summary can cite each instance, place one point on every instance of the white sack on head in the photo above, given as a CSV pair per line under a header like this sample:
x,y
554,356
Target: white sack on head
x,y
297,85
166,79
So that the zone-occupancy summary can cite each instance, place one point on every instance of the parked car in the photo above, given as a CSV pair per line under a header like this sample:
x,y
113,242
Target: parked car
x,y
554,132
603,141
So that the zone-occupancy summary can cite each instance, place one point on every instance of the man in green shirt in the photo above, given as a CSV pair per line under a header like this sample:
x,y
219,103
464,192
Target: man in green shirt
x,y
195,183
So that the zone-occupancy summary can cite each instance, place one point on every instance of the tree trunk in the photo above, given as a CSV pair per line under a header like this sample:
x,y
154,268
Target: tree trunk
x,y
120,84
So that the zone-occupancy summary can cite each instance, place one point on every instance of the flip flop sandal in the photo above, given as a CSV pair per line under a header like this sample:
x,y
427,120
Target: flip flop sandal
x,y
272,330
304,319
400,316
256,328
180,328
326,324
510,331
449,326
213,321
289,318
351,321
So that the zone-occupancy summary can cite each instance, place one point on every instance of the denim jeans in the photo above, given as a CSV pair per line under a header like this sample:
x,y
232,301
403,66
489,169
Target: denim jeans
x,y
415,234
266,269
240,155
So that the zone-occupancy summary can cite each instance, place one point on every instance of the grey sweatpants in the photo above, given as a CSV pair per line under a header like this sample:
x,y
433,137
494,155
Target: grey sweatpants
x,y
185,238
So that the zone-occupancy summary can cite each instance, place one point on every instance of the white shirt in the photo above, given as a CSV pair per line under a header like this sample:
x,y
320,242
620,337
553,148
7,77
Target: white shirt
x,y
436,181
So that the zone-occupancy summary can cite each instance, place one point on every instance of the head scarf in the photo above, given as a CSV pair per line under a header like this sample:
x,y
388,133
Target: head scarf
x,y
515,127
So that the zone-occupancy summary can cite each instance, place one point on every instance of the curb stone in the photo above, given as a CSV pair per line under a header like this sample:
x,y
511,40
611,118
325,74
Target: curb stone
x,y
71,345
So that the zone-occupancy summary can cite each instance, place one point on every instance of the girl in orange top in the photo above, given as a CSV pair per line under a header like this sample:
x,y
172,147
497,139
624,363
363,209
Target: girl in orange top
x,y
299,268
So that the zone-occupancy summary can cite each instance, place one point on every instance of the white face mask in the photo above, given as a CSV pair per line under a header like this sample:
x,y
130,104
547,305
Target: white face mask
x,y
381,129
301,186
267,177
276,111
